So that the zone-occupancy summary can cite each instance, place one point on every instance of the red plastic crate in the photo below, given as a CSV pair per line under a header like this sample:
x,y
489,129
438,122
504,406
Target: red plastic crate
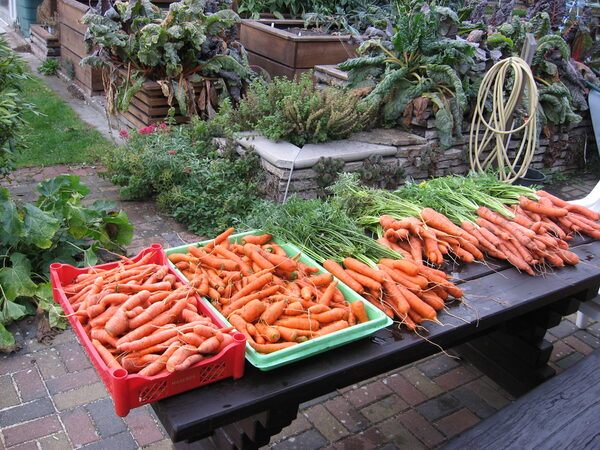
x,y
129,391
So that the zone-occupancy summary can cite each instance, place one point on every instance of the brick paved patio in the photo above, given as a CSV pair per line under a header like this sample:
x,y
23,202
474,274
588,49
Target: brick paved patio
x,y
51,397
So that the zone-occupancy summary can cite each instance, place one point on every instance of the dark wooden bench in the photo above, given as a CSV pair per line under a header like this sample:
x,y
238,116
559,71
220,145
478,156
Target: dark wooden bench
x,y
563,412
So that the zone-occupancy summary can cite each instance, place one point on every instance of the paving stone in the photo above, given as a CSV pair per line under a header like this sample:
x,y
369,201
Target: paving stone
x,y
80,396
421,428
9,395
473,402
382,409
309,439
329,427
58,441
103,415
404,389
560,351
121,441
550,337
50,364
299,425
343,411
563,329
457,422
594,329
27,411
31,430
15,362
369,439
490,394
165,444
30,384
437,365
72,380
368,393
421,382
439,407
455,377
399,435
79,427
143,427
316,401
74,357
579,346
567,362
588,338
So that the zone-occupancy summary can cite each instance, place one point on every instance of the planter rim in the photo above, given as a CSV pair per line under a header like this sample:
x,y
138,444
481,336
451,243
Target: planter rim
x,y
38,29
265,27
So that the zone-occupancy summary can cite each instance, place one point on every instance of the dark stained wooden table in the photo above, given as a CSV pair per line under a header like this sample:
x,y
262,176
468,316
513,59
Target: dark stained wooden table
x,y
500,327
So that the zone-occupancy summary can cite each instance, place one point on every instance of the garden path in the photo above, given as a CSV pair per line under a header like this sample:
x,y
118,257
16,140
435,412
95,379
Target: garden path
x,y
52,397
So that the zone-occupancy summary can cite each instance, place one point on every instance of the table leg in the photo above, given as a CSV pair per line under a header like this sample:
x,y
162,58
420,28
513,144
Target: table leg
x,y
515,354
249,433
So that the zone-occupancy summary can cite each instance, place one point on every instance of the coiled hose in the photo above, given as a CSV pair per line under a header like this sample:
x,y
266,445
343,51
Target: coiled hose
x,y
493,131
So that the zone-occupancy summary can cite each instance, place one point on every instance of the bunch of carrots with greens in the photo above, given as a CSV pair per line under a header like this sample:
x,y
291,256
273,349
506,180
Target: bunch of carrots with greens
x,y
275,300
142,319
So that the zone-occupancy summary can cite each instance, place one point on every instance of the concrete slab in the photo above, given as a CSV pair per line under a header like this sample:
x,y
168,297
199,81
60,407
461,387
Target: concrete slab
x,y
285,155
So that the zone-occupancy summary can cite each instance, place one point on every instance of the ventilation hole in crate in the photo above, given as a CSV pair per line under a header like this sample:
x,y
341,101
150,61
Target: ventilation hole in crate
x,y
153,392
213,372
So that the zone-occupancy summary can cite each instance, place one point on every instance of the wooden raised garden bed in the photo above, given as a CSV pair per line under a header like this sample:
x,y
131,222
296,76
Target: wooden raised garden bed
x,y
44,45
72,47
281,52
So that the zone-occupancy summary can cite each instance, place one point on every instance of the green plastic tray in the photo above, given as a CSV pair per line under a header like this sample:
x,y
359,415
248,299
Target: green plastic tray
x,y
314,346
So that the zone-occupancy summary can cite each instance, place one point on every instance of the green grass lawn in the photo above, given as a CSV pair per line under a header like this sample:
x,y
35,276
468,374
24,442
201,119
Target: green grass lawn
x,y
57,136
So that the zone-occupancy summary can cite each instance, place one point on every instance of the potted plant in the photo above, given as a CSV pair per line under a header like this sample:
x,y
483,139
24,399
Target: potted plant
x,y
182,61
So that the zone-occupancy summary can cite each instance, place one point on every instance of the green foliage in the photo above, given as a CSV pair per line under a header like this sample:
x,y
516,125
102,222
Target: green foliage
x,y
190,177
555,105
49,67
419,60
327,170
299,112
54,228
12,105
177,48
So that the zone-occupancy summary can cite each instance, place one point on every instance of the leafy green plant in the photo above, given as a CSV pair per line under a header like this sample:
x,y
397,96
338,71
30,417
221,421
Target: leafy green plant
x,y
49,67
138,41
299,112
191,178
54,228
12,105
417,61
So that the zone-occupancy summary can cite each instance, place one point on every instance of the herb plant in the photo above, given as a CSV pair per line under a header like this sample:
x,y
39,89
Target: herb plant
x,y
49,67
299,112
12,105
178,48
55,228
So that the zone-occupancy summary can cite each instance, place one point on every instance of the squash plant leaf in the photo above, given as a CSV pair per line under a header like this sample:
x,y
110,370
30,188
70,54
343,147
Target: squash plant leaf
x,y
40,226
16,279
11,224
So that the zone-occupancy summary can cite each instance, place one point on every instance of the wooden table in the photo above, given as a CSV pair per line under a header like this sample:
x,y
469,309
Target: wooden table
x,y
505,314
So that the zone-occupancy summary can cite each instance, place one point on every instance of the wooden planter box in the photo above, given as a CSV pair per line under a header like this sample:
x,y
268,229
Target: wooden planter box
x,y
283,53
72,47
44,45
150,106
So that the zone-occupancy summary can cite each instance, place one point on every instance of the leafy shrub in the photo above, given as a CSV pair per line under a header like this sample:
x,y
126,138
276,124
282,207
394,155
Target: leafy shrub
x,y
299,112
181,167
49,67
55,228
12,105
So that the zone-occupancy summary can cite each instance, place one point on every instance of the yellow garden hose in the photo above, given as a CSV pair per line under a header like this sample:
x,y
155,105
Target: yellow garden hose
x,y
489,138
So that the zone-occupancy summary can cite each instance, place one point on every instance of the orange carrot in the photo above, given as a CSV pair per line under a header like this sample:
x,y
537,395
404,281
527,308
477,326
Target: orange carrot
x,y
159,365
331,328
270,348
327,296
322,279
106,356
400,305
537,207
302,323
363,269
442,223
252,310
254,285
257,240
331,316
359,310
180,355
338,271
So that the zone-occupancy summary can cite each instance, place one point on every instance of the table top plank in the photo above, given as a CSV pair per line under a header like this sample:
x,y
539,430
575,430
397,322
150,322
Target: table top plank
x,y
490,299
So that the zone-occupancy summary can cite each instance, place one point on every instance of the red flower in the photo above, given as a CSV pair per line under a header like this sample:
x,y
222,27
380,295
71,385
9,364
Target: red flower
x,y
172,152
186,170
194,144
124,134
163,126
147,130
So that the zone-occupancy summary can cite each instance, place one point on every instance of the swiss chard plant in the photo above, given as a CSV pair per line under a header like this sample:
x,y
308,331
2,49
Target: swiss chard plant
x,y
184,49
54,228
419,60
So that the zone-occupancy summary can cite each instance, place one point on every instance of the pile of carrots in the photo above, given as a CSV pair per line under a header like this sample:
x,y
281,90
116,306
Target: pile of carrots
x,y
402,289
275,300
142,319
536,236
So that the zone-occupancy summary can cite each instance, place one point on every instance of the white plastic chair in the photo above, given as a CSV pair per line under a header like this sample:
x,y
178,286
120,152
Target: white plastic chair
x,y
591,308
